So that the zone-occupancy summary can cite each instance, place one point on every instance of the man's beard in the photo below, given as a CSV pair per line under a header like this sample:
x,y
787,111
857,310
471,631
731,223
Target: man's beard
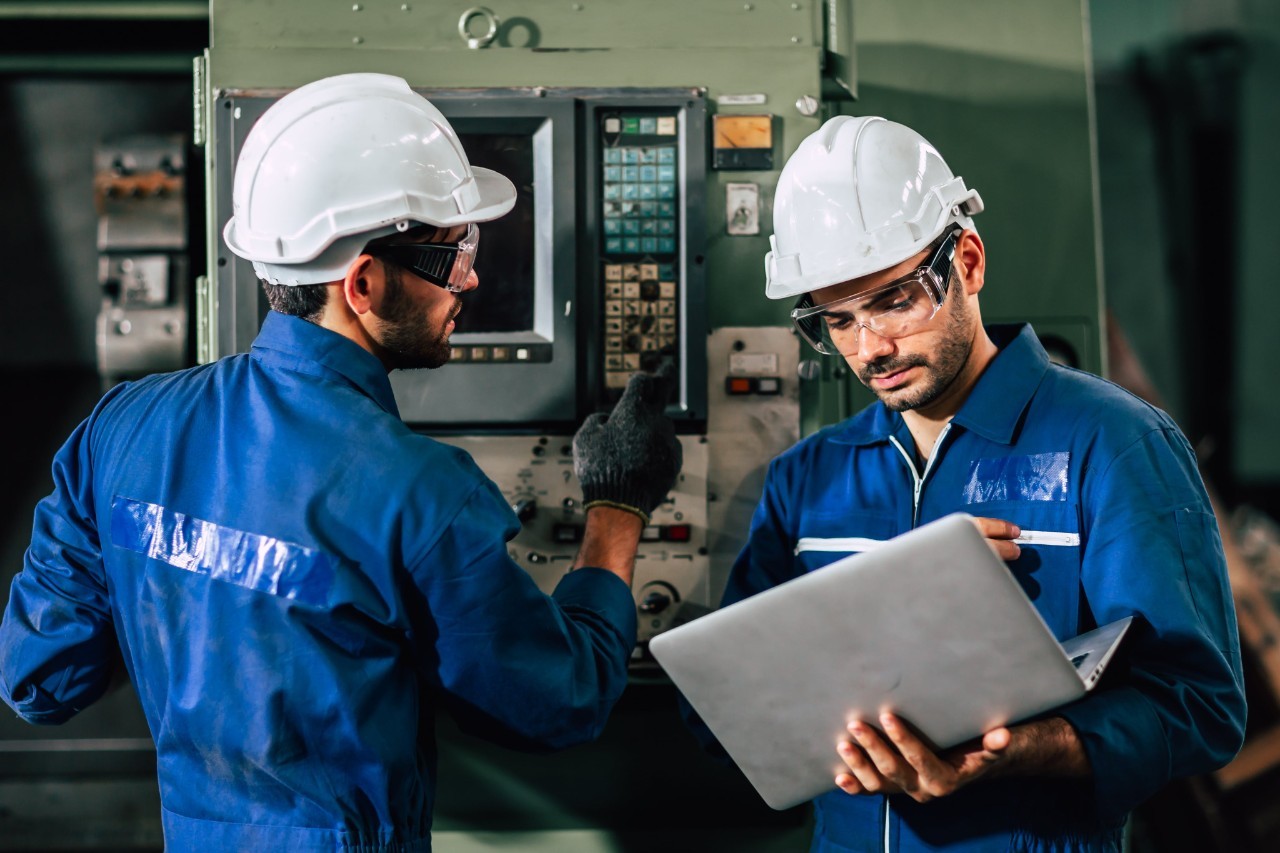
x,y
940,371
407,336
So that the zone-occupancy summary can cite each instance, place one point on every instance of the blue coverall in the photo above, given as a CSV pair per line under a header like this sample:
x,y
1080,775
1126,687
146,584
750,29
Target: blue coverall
x,y
1053,450
297,581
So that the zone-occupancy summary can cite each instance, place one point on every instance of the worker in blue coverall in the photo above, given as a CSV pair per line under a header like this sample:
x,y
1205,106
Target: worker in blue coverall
x,y
874,237
295,580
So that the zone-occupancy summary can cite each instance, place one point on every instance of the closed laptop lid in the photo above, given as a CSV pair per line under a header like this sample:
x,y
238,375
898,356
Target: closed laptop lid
x,y
931,625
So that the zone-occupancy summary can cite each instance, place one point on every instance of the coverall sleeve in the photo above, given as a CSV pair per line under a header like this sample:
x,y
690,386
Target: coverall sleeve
x,y
57,640
1152,548
515,665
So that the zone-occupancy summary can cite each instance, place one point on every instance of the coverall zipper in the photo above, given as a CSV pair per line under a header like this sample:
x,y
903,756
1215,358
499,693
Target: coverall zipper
x,y
918,479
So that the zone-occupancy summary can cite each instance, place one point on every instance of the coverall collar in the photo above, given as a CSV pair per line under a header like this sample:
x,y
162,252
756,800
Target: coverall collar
x,y
995,405
292,343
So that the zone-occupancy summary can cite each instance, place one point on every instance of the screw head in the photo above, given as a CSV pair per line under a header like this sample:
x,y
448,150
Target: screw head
x,y
807,105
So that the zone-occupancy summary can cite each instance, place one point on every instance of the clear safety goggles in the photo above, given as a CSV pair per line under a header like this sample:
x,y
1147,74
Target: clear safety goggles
x,y
900,308
446,265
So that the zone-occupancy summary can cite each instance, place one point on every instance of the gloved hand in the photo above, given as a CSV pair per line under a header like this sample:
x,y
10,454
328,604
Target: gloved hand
x,y
630,459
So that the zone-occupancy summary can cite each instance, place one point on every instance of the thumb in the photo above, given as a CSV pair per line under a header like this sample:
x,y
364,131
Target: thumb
x,y
997,740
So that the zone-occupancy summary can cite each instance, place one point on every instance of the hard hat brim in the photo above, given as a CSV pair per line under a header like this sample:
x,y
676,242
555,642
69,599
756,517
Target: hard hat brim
x,y
497,197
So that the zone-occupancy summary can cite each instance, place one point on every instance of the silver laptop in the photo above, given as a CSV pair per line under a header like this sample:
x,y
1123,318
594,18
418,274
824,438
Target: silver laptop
x,y
931,625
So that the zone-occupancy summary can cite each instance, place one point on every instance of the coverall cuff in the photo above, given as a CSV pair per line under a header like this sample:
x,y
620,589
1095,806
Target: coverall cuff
x,y
1127,749
602,592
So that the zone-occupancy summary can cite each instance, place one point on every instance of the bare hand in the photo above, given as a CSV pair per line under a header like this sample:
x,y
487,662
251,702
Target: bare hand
x,y
903,764
999,534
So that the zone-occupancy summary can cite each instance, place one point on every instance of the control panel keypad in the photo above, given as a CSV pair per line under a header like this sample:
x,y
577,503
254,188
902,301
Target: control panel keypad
x,y
640,323
640,243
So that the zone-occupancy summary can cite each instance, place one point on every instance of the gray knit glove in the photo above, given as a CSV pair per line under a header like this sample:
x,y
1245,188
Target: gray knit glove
x,y
630,459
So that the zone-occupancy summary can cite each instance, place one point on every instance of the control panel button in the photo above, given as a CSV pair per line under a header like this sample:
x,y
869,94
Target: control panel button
x,y
566,533
767,385
677,533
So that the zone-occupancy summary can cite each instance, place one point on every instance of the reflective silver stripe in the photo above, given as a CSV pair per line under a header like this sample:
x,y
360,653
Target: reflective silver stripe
x,y
1048,537
247,559
850,545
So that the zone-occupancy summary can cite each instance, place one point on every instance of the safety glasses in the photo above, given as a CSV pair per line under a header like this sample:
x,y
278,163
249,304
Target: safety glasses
x,y
446,265
900,308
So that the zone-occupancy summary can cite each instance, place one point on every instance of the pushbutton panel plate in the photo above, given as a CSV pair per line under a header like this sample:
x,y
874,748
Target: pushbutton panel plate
x,y
640,242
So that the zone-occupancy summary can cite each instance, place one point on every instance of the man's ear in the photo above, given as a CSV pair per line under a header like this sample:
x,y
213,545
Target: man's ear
x,y
363,285
970,262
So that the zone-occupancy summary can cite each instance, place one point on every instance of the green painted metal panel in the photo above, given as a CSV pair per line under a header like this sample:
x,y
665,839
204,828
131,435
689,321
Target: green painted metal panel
x,y
541,24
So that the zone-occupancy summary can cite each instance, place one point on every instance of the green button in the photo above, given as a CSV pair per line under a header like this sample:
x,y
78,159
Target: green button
x,y
631,125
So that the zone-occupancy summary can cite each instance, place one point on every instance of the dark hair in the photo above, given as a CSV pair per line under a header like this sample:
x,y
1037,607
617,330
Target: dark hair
x,y
308,300
297,300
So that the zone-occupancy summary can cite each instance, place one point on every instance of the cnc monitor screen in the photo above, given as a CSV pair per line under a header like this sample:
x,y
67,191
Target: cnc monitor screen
x,y
504,301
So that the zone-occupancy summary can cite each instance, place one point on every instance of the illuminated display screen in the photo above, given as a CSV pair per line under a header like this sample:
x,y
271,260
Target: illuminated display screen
x,y
504,300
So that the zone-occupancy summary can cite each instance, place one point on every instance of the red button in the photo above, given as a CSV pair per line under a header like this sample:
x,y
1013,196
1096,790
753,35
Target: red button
x,y
677,533
738,385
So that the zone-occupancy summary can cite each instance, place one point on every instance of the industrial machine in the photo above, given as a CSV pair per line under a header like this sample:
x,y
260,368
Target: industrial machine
x,y
645,141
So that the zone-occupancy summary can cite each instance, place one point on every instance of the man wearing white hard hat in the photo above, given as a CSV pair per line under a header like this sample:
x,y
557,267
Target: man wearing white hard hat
x,y
874,240
293,579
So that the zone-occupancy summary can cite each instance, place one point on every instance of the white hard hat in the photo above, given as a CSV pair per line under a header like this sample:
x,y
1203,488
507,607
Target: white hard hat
x,y
858,196
343,160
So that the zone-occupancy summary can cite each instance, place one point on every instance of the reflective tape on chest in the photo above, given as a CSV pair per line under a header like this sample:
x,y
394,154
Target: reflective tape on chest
x,y
1037,477
849,545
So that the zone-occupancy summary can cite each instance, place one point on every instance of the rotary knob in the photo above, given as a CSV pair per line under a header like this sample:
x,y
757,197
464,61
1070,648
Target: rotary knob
x,y
525,509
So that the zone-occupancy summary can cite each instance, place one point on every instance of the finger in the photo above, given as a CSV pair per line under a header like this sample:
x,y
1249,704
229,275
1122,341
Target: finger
x,y
997,528
886,760
1005,550
848,784
863,771
997,740
648,390
931,773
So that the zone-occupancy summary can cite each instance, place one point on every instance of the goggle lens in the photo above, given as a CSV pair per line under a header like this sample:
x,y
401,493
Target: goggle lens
x,y
446,265
900,309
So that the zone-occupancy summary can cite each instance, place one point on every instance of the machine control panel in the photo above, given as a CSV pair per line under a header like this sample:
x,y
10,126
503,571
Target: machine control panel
x,y
535,474
640,241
